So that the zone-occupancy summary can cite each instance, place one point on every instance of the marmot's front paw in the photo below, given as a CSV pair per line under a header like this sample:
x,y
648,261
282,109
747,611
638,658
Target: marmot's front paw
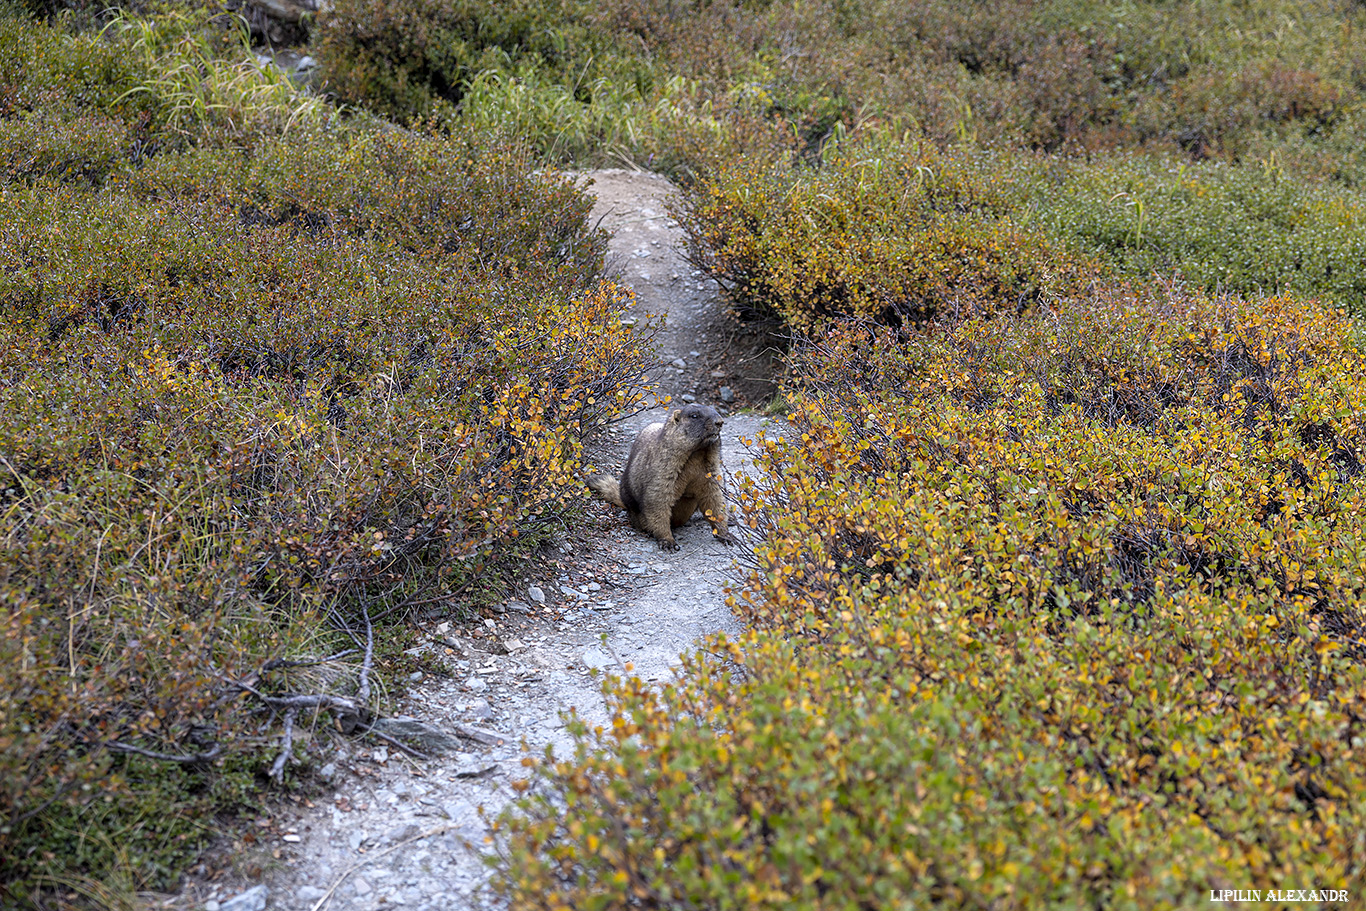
x,y
668,544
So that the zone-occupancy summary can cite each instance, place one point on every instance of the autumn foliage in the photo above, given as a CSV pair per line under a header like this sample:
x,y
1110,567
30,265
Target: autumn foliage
x,y
1060,608
255,397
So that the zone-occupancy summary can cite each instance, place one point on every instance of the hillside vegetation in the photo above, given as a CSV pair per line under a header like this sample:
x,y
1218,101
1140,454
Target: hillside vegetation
x,y
269,380
1055,597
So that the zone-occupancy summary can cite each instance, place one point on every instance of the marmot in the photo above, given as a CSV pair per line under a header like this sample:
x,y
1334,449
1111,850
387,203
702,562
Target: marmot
x,y
674,469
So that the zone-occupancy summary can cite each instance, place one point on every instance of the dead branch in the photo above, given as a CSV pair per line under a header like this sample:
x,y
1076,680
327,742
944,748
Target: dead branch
x,y
277,768
416,754
192,759
276,664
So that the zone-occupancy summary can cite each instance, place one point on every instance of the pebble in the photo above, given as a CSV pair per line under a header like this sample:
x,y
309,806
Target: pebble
x,y
727,394
689,397
694,354
309,893
594,587
361,885
536,595
597,658
478,684
679,363
253,899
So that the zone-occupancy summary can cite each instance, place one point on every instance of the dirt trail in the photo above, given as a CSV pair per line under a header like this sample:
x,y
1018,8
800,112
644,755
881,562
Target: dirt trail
x,y
395,833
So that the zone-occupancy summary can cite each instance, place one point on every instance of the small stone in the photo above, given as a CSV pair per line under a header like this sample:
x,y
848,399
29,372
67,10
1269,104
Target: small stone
x,y
305,64
536,595
291,838
594,587
727,394
328,770
254,899
212,905
478,684
689,397
694,354
380,754
679,363
459,811
309,893
416,677
402,833
597,658
480,710
443,628
360,884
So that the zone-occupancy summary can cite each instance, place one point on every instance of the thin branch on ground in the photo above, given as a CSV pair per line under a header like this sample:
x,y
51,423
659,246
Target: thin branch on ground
x,y
119,746
277,768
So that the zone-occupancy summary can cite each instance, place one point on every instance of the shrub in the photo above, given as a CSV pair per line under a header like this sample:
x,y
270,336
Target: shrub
x,y
255,402
401,59
1241,228
1054,609
890,231
84,107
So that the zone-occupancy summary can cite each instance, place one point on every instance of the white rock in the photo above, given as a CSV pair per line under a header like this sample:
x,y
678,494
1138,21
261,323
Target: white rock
x,y
254,899
536,595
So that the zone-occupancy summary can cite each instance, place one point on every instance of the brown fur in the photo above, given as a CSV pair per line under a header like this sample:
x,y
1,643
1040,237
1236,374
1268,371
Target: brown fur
x,y
674,470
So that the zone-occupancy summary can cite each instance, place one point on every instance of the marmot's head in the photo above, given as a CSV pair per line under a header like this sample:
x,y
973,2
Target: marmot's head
x,y
699,423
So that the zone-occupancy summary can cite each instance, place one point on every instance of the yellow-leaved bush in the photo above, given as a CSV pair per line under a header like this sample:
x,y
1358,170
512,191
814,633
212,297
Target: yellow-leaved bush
x,y
886,229
1054,610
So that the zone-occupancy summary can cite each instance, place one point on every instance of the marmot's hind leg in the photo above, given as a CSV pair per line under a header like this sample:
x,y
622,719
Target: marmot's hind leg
x,y
683,511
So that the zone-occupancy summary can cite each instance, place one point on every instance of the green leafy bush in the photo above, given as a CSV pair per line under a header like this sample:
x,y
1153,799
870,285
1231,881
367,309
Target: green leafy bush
x,y
1241,228
1056,609
401,59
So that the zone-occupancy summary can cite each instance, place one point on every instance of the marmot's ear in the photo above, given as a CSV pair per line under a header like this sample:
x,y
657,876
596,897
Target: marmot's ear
x,y
676,415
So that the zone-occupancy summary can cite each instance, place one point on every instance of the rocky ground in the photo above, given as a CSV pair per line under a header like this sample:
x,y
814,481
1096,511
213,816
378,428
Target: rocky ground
x,y
403,832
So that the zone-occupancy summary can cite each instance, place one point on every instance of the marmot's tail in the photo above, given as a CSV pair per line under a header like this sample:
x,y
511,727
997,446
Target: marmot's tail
x,y
606,486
